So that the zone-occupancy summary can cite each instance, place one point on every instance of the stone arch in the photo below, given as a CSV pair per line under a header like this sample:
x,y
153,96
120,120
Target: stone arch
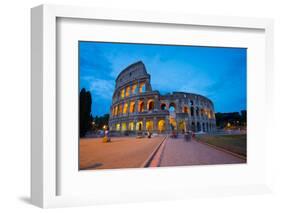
x,y
197,111
181,126
141,106
172,106
185,109
202,112
198,127
150,105
139,125
192,111
163,106
125,108
132,107
192,126
161,125
149,125
203,127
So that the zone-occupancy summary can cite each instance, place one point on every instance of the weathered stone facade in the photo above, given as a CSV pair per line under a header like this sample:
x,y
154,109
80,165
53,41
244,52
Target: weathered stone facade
x,y
136,107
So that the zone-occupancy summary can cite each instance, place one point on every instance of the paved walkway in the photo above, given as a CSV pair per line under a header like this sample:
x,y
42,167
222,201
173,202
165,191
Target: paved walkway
x,y
121,152
178,152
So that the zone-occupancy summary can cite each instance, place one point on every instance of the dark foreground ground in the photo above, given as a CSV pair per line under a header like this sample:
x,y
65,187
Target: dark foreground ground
x,y
232,143
130,152
122,152
178,152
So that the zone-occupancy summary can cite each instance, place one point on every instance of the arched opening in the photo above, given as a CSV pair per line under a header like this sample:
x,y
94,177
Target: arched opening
x,y
161,126
132,107
131,126
120,109
198,127
181,126
192,111
150,105
122,93
172,107
197,111
124,127
116,110
204,129
149,125
185,109
163,106
139,126
193,126
202,112
117,127
142,87
134,89
141,106
127,91
125,109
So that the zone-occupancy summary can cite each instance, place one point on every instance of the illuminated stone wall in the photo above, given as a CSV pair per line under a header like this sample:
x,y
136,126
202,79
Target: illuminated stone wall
x,y
136,107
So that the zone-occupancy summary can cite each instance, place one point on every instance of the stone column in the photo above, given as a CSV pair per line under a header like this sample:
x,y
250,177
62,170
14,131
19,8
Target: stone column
x,y
138,87
155,124
135,106
156,103
186,125
167,125
145,105
144,124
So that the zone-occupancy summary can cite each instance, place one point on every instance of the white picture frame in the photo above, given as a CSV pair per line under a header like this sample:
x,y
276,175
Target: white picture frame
x,y
44,149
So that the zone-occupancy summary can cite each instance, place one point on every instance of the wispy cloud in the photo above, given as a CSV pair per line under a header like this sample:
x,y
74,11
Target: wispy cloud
x,y
218,73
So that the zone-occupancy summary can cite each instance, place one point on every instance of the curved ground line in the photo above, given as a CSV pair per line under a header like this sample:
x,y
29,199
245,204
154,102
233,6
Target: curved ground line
x,y
152,155
223,150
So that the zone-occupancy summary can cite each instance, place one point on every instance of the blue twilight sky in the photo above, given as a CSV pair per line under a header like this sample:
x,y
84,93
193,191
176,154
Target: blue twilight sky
x,y
217,73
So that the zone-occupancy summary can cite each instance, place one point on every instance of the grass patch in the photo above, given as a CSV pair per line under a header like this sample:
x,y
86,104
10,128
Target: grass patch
x,y
233,143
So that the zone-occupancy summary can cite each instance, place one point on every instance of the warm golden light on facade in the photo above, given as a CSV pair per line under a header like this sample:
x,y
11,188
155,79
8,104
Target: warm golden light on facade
x,y
120,109
137,107
139,126
181,126
149,125
150,105
141,106
185,109
122,93
118,127
125,110
134,88
127,91
124,127
161,125
115,110
131,126
142,87
132,107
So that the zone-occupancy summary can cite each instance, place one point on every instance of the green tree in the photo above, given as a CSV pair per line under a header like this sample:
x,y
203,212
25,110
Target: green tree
x,y
100,121
85,116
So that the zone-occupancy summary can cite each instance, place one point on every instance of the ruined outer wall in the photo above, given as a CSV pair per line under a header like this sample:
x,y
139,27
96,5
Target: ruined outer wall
x,y
136,107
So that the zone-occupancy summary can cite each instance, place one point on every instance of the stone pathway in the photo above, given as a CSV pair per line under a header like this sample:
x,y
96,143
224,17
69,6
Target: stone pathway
x,y
178,152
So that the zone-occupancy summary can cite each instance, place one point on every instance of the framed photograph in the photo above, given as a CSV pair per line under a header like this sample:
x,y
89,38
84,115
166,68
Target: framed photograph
x,y
129,106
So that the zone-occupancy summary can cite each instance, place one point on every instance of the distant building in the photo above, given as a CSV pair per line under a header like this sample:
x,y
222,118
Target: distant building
x,y
136,107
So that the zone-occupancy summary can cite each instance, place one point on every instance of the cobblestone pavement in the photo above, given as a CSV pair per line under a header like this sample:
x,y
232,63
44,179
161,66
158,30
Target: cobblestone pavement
x,y
122,152
178,152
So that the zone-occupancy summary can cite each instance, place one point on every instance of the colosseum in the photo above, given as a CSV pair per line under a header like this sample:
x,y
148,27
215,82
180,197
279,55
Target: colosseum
x,y
136,107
